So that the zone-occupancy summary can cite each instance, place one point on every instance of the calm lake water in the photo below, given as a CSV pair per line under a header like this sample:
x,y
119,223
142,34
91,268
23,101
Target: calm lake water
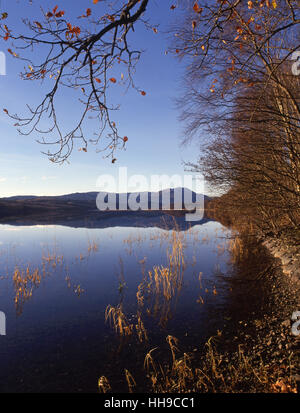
x,y
57,338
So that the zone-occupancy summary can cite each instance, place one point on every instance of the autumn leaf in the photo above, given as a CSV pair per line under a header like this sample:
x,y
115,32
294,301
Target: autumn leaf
x,y
6,111
49,14
274,4
95,1
143,93
125,139
60,14
250,4
194,24
111,18
113,80
173,7
155,30
97,80
38,25
72,30
4,16
84,149
197,9
113,160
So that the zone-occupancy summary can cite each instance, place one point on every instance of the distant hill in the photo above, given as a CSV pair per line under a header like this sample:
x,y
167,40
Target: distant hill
x,y
75,205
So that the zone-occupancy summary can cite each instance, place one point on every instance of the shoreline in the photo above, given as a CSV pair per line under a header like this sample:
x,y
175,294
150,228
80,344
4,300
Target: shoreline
x,y
289,256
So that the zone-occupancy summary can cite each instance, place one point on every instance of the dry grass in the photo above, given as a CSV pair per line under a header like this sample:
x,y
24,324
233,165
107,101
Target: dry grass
x,y
24,283
118,321
130,381
140,329
162,284
103,385
213,373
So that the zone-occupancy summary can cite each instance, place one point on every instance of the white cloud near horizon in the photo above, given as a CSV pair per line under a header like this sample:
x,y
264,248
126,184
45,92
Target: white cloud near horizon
x,y
46,178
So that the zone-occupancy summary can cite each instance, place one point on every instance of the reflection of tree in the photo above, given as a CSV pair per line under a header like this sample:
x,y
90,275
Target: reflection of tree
x,y
252,280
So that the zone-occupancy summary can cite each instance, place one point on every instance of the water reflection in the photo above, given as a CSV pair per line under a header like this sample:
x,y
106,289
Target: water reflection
x,y
63,282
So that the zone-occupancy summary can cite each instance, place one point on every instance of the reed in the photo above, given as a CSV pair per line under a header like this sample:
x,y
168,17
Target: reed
x,y
130,381
118,321
104,385
140,329
24,283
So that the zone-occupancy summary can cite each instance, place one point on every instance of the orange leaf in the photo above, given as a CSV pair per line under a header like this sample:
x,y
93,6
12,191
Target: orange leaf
x,y
60,13
6,111
125,139
197,9
38,25
113,80
97,80
111,18
143,93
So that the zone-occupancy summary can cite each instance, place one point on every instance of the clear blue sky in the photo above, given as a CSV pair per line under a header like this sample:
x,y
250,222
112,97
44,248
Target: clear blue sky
x,y
150,122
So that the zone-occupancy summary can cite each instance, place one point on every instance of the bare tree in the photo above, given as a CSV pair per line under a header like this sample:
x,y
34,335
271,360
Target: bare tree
x,y
77,56
241,94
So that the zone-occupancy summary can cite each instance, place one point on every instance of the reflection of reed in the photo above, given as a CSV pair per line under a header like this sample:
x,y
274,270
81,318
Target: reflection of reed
x,y
162,284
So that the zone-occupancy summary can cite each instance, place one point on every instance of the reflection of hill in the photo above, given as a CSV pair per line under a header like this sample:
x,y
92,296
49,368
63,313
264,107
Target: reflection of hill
x,y
80,210
145,219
